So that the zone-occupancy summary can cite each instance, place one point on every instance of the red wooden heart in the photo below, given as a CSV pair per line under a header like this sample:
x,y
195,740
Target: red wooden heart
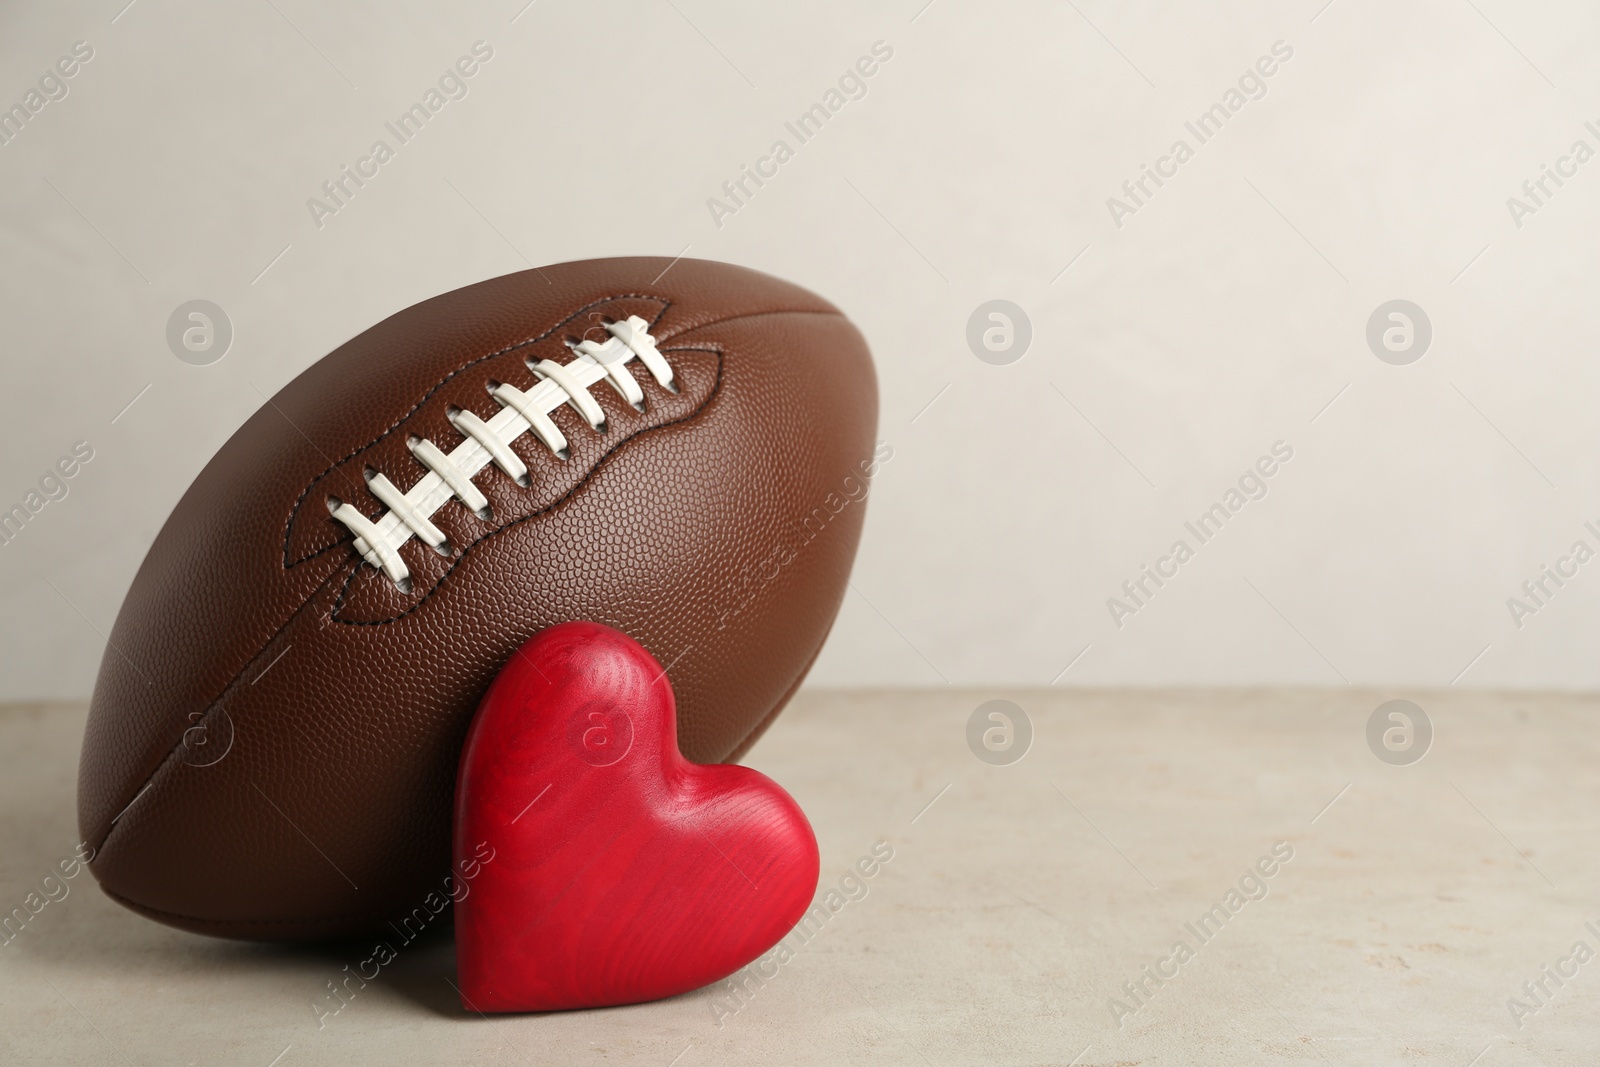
x,y
619,871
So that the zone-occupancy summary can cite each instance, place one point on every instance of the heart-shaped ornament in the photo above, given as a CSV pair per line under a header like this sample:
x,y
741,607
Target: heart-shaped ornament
x,y
606,868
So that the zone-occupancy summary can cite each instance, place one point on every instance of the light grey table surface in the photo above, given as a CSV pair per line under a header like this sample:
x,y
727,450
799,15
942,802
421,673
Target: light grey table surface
x,y
1018,902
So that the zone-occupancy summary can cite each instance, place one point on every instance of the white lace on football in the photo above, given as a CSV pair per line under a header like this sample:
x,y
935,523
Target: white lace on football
x,y
449,476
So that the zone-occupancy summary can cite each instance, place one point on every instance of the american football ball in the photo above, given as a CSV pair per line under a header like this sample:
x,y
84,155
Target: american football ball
x,y
679,450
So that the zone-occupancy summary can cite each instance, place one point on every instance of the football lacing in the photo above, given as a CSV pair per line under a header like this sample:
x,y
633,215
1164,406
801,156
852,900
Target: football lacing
x,y
449,476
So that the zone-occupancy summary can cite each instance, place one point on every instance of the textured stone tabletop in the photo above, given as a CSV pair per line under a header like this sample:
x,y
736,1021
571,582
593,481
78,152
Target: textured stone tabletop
x,y
1331,907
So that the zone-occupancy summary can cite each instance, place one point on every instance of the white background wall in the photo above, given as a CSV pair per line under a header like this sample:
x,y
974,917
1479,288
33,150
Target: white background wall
x,y
1224,316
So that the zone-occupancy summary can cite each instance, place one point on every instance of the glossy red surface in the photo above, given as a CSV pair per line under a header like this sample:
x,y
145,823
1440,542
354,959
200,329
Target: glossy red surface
x,y
606,868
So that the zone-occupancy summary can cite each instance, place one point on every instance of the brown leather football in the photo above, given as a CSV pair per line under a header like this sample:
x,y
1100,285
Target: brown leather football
x,y
677,450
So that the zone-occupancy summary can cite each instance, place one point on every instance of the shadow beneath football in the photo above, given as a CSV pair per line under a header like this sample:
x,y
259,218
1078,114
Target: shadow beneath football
x,y
421,969
424,972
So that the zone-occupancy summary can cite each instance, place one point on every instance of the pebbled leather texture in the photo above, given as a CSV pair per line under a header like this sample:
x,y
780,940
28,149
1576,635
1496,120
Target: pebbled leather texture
x,y
272,743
